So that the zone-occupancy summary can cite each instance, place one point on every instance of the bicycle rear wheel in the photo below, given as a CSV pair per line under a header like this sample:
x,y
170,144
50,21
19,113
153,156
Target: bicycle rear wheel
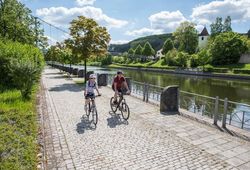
x,y
112,105
125,111
94,116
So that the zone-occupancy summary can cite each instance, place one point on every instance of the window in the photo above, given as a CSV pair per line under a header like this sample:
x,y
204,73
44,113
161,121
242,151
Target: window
x,y
202,38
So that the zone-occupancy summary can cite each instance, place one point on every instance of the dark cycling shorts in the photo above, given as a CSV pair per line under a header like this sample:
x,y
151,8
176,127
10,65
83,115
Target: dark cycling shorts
x,y
121,90
90,95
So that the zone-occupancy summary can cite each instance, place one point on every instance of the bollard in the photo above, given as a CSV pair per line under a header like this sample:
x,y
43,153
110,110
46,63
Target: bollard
x,y
169,100
102,79
88,74
80,73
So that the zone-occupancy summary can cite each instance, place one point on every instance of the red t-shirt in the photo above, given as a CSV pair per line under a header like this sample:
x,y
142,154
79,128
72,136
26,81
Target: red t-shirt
x,y
118,82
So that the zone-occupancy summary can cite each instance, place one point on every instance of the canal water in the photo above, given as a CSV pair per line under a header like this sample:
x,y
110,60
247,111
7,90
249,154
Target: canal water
x,y
234,90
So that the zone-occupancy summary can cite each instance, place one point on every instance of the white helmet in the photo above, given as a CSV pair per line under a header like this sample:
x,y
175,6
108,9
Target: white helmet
x,y
92,76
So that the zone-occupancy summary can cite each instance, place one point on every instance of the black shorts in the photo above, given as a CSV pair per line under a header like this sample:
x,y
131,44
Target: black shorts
x,y
90,96
121,90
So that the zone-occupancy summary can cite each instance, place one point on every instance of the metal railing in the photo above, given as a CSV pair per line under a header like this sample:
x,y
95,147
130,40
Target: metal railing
x,y
228,112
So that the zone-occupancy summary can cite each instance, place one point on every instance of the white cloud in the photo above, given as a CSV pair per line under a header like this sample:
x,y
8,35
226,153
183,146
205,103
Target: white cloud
x,y
162,22
119,41
85,2
61,16
238,10
167,21
144,32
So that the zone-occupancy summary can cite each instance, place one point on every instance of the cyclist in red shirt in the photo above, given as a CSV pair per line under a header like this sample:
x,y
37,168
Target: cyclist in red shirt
x,y
119,85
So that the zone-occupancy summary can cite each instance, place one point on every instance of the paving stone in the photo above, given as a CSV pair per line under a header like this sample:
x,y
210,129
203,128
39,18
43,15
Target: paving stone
x,y
148,140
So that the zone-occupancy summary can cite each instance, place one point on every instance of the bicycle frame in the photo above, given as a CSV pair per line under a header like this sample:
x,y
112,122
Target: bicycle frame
x,y
121,98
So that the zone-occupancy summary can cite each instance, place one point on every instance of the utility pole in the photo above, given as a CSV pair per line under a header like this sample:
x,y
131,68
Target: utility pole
x,y
36,31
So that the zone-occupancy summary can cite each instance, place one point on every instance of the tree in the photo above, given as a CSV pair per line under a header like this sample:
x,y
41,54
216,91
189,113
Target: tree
x,y
227,48
148,50
138,50
248,33
167,46
227,25
17,24
216,27
186,37
131,51
88,39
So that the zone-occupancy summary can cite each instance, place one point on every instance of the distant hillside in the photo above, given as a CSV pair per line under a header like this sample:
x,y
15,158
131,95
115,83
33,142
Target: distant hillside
x,y
155,40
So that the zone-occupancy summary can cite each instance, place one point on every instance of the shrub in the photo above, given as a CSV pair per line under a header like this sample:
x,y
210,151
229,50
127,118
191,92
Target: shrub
x,y
24,75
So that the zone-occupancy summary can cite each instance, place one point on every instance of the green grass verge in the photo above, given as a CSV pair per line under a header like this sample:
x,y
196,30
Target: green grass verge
x,y
80,82
18,130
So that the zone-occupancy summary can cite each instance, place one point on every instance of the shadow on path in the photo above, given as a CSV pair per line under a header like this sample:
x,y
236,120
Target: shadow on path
x,y
116,120
85,124
67,87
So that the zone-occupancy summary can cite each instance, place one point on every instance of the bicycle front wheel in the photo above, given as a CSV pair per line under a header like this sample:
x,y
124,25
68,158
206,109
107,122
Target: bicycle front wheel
x,y
125,111
94,116
112,105
87,109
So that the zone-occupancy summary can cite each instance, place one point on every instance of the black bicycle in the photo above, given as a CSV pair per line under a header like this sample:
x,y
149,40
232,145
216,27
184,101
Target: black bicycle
x,y
121,105
91,108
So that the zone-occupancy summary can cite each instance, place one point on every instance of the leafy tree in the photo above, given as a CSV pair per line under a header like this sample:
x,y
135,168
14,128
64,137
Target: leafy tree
x,y
131,51
170,57
248,33
138,50
227,48
186,37
227,25
88,38
203,58
17,24
216,27
167,46
148,50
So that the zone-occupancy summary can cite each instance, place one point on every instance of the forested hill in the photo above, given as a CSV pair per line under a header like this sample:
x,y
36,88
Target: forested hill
x,y
155,40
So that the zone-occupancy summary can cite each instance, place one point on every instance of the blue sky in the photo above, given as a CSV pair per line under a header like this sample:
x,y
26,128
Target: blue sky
x,y
130,19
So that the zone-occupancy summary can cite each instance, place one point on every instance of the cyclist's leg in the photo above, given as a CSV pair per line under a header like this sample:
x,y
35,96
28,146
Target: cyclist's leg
x,y
87,100
116,96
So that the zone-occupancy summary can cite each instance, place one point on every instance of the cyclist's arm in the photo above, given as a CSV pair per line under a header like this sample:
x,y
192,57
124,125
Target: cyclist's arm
x,y
96,88
115,87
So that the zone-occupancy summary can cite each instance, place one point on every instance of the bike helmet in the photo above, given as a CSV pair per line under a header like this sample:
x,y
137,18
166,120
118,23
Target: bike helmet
x,y
92,76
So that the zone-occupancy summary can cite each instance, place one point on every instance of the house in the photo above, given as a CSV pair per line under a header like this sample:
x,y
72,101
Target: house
x,y
159,54
203,38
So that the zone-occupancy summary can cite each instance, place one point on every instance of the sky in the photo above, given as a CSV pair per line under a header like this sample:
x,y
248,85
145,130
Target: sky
x,y
127,20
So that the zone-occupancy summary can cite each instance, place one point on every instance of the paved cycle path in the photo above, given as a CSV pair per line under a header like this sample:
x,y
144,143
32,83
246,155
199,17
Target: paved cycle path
x,y
148,140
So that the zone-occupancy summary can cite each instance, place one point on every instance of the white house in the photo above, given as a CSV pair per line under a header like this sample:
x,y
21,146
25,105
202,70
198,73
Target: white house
x,y
203,38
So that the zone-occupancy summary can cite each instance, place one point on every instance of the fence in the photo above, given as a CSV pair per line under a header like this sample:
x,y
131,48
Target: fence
x,y
228,112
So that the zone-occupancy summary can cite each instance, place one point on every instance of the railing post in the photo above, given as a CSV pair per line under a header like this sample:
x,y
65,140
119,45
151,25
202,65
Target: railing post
x,y
216,110
243,120
224,118
147,87
144,91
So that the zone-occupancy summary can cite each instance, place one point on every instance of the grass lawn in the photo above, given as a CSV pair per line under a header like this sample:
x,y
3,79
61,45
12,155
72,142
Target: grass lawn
x,y
233,66
18,131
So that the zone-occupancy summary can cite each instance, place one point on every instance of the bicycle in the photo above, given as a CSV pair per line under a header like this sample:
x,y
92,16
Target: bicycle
x,y
91,108
121,105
